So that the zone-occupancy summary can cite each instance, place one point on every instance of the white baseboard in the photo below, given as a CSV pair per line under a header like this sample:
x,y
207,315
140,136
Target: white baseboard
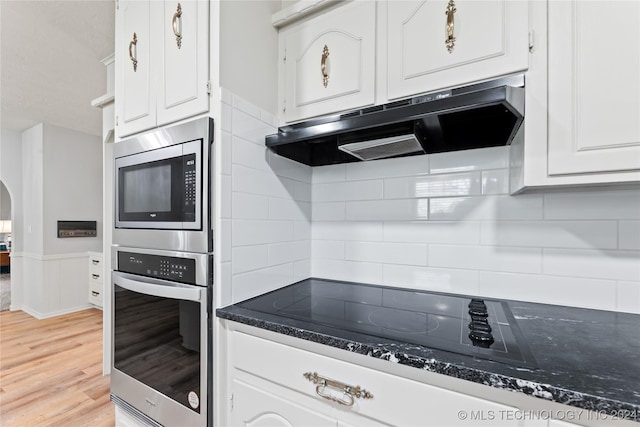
x,y
41,316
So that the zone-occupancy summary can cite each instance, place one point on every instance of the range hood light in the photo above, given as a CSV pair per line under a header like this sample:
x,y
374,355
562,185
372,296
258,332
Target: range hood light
x,y
384,147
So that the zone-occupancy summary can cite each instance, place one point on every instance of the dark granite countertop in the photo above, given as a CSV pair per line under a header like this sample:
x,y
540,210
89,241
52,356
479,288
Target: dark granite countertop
x,y
588,359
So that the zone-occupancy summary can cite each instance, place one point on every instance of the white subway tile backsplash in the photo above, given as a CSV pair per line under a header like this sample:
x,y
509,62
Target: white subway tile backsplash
x,y
253,232
468,160
490,208
226,96
226,118
248,258
433,279
225,237
405,166
549,289
246,107
495,182
361,231
628,297
249,206
353,190
433,232
301,230
225,153
617,265
329,211
280,253
249,154
253,181
629,235
287,209
302,191
284,167
250,128
329,249
460,184
330,173
225,289
364,272
253,283
387,253
388,210
615,204
551,234
301,270
225,199
269,118
494,258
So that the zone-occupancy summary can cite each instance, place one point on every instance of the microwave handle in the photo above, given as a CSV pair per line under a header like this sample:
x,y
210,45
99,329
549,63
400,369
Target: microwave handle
x,y
157,289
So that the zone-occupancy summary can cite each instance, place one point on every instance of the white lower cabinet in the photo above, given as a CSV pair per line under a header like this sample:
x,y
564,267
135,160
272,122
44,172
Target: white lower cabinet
x,y
96,282
268,386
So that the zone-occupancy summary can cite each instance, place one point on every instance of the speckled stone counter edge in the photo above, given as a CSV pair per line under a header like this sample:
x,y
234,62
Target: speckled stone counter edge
x,y
542,391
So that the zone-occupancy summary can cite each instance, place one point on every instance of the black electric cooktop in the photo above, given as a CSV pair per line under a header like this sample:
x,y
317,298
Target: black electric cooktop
x,y
472,326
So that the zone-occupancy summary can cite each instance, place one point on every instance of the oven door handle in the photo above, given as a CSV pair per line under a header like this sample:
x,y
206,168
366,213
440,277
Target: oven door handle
x,y
158,289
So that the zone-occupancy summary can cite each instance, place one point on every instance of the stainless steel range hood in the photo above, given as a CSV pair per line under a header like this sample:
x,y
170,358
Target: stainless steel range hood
x,y
483,115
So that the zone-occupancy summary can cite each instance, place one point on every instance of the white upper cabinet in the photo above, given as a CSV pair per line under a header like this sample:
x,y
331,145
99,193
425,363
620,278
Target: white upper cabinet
x,y
162,60
435,44
329,62
594,87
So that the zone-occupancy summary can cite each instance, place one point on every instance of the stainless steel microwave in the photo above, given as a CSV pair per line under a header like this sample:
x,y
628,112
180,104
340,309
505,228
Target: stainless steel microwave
x,y
163,188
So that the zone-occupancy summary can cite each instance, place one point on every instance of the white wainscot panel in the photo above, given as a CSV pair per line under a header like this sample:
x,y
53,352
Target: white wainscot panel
x,y
388,253
248,232
247,258
621,204
617,265
249,206
464,232
551,234
361,231
523,207
388,210
330,249
468,160
404,166
492,258
589,293
364,272
628,297
629,235
459,184
428,278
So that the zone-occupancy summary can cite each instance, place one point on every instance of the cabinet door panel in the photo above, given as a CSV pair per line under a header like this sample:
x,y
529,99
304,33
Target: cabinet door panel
x,y
135,99
594,87
185,62
491,40
349,36
253,407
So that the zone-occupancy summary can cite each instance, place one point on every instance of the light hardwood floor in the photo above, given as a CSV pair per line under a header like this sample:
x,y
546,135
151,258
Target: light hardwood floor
x,y
51,371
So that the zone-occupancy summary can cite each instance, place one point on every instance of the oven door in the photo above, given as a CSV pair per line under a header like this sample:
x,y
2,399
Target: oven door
x,y
160,345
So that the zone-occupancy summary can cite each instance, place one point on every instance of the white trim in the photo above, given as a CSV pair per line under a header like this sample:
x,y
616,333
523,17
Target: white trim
x,y
41,316
51,257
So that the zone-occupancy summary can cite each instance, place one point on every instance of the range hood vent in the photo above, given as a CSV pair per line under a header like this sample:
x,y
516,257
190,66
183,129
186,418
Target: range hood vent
x,y
483,115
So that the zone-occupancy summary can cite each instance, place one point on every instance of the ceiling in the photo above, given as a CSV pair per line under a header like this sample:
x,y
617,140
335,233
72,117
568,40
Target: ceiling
x,y
50,62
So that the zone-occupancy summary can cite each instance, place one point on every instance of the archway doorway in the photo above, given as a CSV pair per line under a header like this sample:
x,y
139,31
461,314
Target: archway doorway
x,y
5,248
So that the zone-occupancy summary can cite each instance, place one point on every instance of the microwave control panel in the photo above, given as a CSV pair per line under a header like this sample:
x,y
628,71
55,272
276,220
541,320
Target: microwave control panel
x,y
190,186
181,270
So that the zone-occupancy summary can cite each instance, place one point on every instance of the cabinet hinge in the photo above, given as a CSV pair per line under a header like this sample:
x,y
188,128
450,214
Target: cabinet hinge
x,y
284,105
117,4
284,58
116,120
532,40
231,403
209,87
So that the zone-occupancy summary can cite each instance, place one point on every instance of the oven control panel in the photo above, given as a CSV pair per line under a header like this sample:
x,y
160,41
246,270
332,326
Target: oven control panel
x,y
181,270
190,186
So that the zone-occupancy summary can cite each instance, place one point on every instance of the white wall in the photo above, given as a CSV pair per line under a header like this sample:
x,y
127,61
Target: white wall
x,y
5,203
265,207
33,189
445,222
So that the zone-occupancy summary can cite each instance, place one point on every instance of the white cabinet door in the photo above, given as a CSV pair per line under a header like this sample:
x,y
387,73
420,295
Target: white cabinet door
x,y
254,407
330,62
135,72
594,86
184,71
491,39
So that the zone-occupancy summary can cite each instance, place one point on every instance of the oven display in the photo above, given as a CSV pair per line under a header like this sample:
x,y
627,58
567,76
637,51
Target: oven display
x,y
181,270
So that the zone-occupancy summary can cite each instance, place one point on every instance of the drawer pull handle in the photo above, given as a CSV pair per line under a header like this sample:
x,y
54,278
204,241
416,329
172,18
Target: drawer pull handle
x,y
95,261
95,276
134,57
325,66
451,40
177,26
349,393
95,294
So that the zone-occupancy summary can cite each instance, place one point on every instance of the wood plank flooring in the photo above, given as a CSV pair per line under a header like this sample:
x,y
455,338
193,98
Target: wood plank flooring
x,y
51,371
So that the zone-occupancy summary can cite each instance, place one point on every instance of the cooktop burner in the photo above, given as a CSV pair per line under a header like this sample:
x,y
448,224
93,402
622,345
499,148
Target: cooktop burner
x,y
477,327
